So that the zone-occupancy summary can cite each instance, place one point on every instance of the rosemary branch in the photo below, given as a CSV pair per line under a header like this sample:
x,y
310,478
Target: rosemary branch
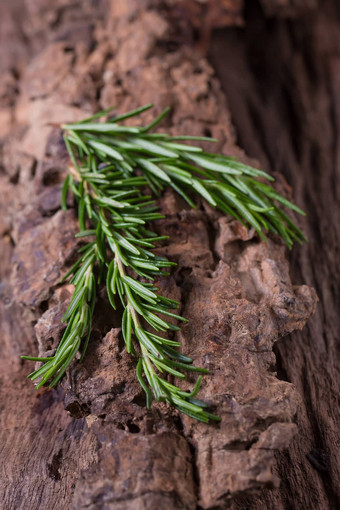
x,y
113,170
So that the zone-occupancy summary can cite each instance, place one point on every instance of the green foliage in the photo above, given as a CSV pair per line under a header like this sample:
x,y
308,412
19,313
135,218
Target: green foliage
x,y
115,174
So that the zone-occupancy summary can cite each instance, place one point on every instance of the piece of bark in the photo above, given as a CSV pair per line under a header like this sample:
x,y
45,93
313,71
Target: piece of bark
x,y
235,290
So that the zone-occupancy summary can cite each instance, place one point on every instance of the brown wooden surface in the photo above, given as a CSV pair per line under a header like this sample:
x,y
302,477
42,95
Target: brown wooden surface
x,y
280,90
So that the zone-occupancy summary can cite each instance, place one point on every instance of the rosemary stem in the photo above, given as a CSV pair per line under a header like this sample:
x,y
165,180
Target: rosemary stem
x,y
74,172
145,354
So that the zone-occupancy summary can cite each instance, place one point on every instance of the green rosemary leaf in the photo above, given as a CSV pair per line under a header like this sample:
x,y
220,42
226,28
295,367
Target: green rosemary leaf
x,y
94,177
85,233
152,148
124,324
40,371
87,339
64,193
210,164
203,192
81,272
71,271
81,214
167,368
169,301
181,147
128,333
179,174
48,374
145,340
75,138
157,120
144,265
148,393
172,353
66,365
159,309
86,249
64,349
249,170
193,138
74,303
163,341
199,417
174,389
124,243
133,220
71,153
272,194
106,201
184,195
154,169
98,115
160,262
157,320
190,368
197,402
133,301
299,234
141,242
187,405
109,290
106,149
132,113
100,128
35,358
139,288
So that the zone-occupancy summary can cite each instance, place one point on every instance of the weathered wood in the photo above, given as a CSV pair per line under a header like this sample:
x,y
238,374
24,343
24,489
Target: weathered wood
x,y
284,98
110,452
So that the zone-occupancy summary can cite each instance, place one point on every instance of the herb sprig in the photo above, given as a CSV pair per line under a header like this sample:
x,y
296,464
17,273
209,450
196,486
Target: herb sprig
x,y
115,174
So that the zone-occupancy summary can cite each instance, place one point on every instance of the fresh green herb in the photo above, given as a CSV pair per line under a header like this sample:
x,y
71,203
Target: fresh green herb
x,y
112,169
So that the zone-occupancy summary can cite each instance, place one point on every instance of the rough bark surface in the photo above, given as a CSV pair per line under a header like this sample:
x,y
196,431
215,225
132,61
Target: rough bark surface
x,y
284,99
108,451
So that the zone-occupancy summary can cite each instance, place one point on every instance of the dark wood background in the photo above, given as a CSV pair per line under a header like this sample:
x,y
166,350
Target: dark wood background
x,y
284,98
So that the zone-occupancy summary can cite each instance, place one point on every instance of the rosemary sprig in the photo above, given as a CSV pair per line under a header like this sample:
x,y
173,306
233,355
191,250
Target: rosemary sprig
x,y
112,168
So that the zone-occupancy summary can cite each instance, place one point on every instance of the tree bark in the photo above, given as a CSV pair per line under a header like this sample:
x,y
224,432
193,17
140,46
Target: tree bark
x,y
105,450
